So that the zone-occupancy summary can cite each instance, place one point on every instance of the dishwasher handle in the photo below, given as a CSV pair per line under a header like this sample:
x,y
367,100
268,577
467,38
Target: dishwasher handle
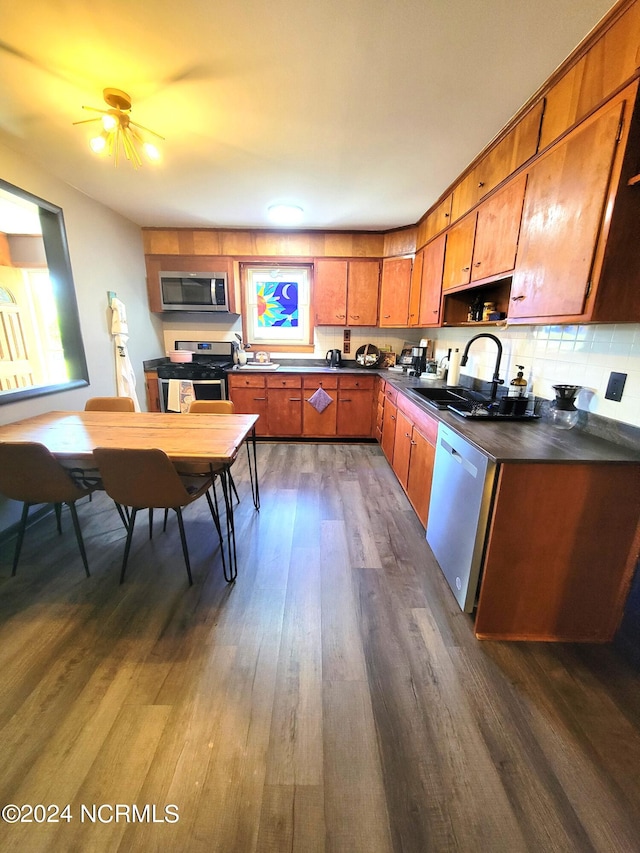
x,y
469,467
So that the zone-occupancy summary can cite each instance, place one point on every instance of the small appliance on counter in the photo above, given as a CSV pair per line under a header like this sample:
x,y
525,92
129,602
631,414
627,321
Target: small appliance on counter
x,y
414,361
334,358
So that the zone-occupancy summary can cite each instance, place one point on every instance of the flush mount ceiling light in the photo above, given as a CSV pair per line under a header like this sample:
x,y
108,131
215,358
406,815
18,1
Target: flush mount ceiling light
x,y
285,214
119,132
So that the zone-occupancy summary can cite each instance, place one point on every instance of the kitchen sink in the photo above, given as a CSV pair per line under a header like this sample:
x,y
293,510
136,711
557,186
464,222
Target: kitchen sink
x,y
467,404
440,398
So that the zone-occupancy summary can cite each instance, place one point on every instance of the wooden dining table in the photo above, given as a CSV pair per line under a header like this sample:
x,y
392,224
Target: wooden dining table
x,y
201,442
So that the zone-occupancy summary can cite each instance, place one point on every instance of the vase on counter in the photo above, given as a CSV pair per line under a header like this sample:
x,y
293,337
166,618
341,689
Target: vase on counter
x,y
563,412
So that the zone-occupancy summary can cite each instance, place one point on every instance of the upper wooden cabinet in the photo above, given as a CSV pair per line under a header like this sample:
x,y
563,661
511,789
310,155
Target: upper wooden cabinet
x,y
330,292
485,242
190,263
426,284
579,258
497,231
346,292
435,222
363,287
608,64
459,253
394,291
506,157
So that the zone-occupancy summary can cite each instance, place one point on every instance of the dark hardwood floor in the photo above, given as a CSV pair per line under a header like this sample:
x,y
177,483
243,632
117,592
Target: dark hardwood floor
x,y
333,699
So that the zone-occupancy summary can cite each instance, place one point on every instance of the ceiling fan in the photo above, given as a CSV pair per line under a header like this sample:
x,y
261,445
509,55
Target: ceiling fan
x,y
119,131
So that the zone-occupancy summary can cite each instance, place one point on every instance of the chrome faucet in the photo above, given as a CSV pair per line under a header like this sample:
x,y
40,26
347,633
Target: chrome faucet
x,y
496,372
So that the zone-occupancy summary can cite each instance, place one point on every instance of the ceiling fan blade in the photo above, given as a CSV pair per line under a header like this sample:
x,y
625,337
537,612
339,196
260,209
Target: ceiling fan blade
x,y
61,74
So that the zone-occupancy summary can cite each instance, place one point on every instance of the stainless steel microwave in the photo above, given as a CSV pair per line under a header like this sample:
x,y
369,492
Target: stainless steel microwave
x,y
194,291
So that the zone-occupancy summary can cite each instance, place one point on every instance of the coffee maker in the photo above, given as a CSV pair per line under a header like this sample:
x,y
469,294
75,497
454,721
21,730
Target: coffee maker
x,y
418,360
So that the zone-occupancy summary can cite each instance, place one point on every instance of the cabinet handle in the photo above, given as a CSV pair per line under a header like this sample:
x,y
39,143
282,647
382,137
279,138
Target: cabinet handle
x,y
413,443
345,399
435,311
340,316
354,316
477,263
480,184
294,399
407,435
466,269
446,216
518,298
393,417
386,316
259,398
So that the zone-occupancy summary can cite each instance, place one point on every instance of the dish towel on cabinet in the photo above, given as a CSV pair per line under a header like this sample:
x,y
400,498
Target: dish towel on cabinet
x,y
180,395
320,400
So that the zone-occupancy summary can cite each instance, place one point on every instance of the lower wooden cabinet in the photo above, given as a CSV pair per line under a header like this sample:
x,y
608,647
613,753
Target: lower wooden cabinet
x,y
323,424
355,405
152,390
283,402
249,396
408,442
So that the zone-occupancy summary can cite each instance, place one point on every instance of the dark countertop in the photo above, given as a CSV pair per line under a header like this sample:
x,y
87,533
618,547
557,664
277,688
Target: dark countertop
x,y
519,441
516,441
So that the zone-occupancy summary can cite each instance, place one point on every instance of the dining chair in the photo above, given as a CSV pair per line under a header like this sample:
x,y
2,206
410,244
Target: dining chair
x,y
30,473
109,404
216,407
147,479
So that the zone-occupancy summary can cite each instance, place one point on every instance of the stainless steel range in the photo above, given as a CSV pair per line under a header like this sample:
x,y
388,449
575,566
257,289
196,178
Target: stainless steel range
x,y
206,372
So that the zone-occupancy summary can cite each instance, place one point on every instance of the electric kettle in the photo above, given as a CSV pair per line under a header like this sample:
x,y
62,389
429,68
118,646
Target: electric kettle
x,y
334,358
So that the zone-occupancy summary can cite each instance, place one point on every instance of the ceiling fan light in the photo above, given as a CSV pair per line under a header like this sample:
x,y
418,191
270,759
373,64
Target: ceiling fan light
x,y
151,151
285,214
99,143
109,121
120,134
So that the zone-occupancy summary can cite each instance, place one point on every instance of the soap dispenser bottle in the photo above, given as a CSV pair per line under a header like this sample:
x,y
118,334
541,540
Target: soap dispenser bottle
x,y
518,386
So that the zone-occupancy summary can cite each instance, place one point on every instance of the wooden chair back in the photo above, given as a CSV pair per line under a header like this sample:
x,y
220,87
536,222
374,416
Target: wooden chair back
x,y
109,404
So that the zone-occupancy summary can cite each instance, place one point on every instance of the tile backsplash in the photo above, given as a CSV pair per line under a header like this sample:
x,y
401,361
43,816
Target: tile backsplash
x,y
554,355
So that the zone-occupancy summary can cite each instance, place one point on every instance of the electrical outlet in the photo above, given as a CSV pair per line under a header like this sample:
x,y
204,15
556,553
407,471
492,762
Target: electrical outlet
x,y
346,347
615,386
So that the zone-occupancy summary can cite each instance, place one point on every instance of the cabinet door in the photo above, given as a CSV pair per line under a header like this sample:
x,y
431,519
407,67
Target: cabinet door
x,y
416,289
355,412
389,429
153,391
252,401
431,289
316,423
402,448
563,212
497,231
459,252
285,411
363,290
394,292
420,474
330,292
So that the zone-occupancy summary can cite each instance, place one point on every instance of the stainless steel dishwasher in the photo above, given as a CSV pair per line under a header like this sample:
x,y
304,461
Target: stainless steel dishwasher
x,y
461,494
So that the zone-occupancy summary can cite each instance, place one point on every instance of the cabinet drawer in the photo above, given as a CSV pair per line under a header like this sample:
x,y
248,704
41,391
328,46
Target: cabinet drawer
x,y
320,380
246,381
390,394
291,381
364,383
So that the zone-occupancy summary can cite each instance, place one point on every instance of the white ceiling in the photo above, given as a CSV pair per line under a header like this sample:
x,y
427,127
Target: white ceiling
x,y
361,111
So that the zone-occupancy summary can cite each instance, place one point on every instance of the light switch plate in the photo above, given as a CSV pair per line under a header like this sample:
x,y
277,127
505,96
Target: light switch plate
x,y
615,386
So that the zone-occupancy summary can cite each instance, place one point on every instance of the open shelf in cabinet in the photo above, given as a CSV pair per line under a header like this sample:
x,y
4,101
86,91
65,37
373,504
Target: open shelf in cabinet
x,y
455,306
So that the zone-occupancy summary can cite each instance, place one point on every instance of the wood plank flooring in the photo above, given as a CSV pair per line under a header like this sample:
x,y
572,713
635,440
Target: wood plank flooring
x,y
333,699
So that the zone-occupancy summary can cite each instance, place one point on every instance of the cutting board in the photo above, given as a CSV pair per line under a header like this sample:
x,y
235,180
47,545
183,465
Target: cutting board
x,y
270,365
